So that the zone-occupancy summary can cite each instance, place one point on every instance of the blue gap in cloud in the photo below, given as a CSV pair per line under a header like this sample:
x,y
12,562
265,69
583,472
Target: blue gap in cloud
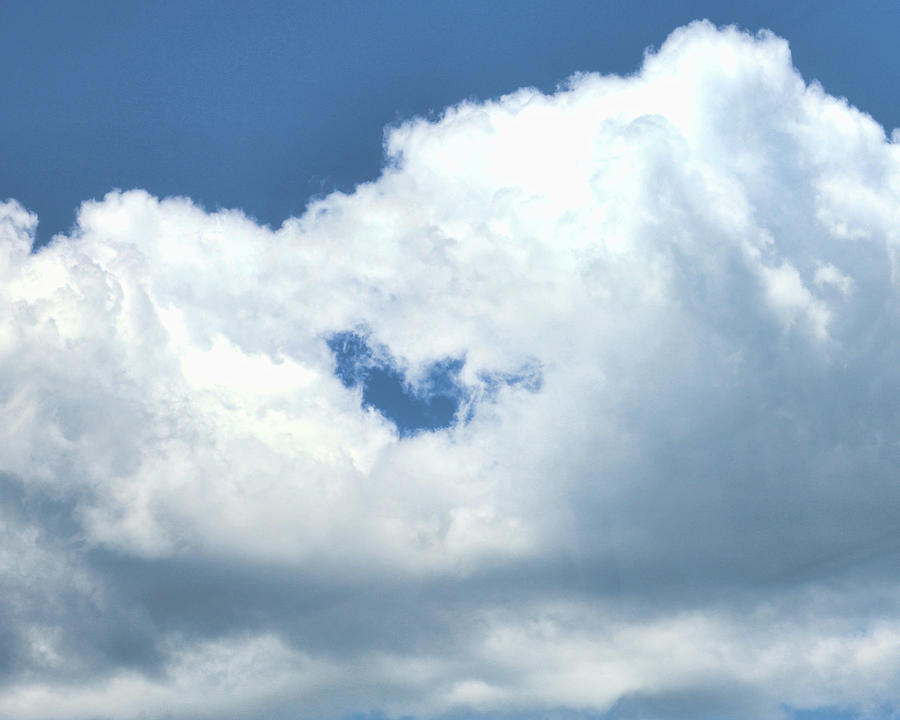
x,y
529,377
829,713
431,405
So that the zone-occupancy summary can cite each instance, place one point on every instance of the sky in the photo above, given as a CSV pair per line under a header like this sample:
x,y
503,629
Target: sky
x,y
262,106
442,361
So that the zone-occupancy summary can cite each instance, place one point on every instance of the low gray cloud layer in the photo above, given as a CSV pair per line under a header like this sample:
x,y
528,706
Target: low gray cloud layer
x,y
692,513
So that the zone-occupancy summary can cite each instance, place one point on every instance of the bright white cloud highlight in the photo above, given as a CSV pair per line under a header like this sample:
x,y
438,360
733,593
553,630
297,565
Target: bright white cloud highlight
x,y
695,508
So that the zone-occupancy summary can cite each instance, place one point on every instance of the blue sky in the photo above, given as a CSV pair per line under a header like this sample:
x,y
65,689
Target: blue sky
x,y
465,360
263,107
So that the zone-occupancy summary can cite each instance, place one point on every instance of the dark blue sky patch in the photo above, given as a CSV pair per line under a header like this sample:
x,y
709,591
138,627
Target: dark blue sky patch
x,y
429,405
353,356
835,714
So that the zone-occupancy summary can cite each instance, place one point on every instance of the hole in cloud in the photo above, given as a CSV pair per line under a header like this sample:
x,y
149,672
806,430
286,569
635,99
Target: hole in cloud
x,y
528,377
431,404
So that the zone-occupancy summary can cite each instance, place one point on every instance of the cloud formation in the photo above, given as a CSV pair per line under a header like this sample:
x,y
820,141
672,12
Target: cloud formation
x,y
669,307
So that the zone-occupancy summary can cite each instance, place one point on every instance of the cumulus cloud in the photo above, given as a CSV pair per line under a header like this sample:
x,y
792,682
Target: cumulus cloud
x,y
667,307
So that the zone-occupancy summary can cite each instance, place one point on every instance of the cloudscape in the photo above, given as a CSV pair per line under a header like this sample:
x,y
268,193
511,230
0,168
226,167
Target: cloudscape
x,y
585,407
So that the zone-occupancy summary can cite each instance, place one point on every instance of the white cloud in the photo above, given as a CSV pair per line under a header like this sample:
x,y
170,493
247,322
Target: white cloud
x,y
204,681
700,259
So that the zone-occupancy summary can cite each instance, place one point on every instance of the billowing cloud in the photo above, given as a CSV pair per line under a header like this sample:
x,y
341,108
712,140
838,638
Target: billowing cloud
x,y
652,324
